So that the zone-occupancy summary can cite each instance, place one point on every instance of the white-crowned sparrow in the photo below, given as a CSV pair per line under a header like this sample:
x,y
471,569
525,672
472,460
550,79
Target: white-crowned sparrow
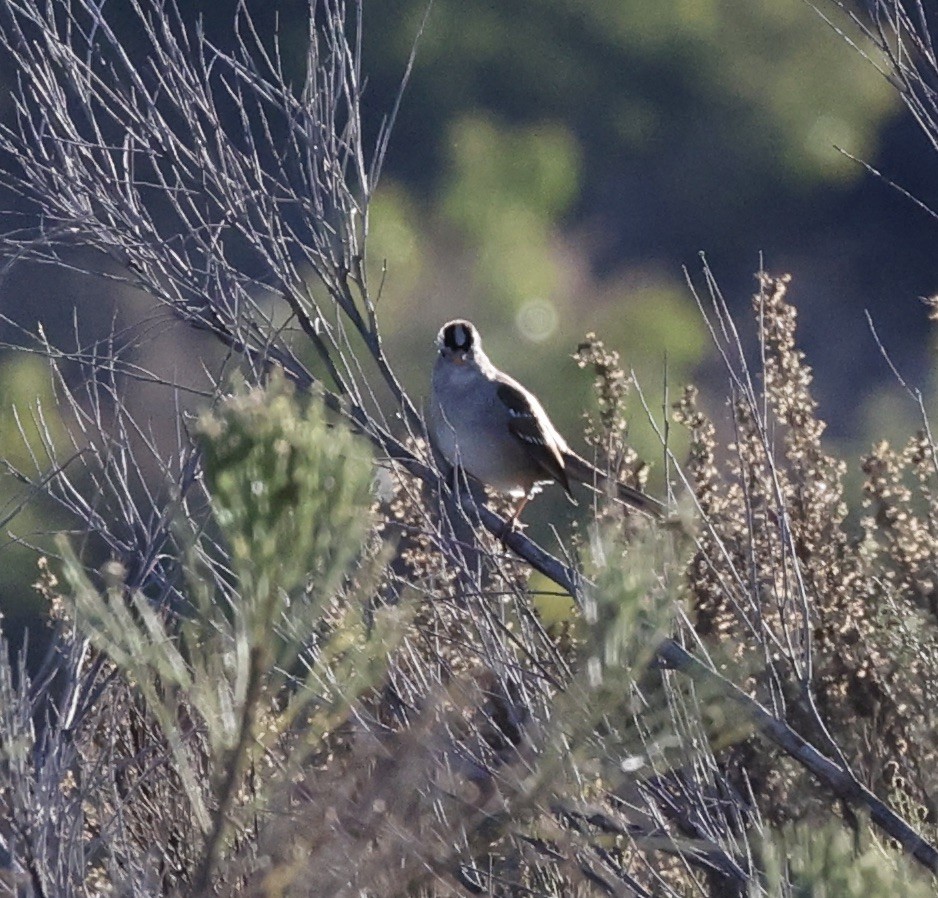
x,y
486,423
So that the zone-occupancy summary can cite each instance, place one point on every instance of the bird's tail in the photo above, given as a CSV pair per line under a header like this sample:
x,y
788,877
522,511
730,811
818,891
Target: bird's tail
x,y
581,470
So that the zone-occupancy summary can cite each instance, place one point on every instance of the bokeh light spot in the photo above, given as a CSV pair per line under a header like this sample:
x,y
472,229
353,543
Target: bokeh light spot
x,y
537,319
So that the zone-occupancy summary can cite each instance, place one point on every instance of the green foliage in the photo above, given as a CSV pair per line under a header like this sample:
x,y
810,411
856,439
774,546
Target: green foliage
x,y
818,94
276,661
291,491
672,344
30,408
396,242
505,190
496,168
631,605
755,84
32,429
810,862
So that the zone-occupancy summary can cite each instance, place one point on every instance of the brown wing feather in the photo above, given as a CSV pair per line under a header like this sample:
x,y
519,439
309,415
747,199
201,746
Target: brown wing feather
x,y
524,424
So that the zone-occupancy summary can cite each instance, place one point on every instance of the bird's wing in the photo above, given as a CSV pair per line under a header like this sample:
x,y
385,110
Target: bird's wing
x,y
530,425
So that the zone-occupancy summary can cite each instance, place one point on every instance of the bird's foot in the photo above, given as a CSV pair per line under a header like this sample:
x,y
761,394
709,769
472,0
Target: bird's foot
x,y
513,524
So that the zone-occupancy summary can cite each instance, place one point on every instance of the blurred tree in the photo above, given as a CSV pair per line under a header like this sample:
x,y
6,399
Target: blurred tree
x,y
727,104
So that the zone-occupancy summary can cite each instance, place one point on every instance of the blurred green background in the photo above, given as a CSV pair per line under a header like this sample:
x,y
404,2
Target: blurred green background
x,y
555,166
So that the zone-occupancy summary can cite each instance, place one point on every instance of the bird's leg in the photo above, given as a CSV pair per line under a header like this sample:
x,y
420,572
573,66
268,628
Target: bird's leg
x,y
513,523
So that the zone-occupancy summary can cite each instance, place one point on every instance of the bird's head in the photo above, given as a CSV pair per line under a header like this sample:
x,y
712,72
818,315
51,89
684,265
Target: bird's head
x,y
458,342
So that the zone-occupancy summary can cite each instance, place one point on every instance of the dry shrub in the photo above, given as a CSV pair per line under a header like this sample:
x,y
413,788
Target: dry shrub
x,y
832,625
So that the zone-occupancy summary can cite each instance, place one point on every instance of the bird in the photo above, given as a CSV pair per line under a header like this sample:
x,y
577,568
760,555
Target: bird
x,y
487,424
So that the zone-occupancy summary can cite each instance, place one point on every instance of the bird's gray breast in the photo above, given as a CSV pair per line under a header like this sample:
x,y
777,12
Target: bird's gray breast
x,y
469,426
